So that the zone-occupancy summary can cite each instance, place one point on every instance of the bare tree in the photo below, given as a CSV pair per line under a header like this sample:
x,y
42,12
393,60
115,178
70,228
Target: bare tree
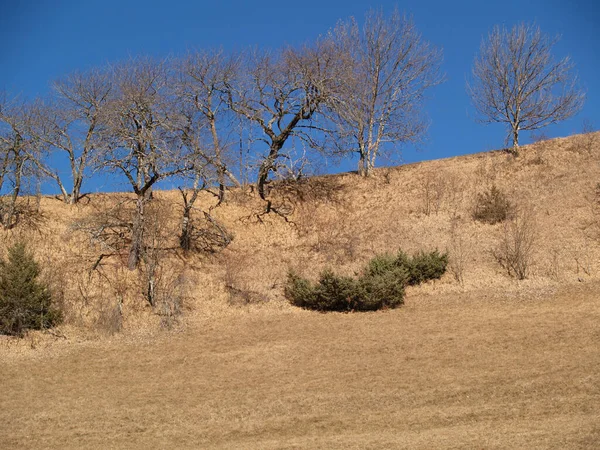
x,y
202,78
16,148
516,81
517,245
71,122
389,67
141,140
279,94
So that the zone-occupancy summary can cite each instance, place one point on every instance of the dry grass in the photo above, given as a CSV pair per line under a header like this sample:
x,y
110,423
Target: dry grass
x,y
447,371
475,360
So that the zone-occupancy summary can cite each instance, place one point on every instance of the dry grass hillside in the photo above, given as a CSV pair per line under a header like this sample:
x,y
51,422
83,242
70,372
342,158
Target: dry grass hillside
x,y
477,359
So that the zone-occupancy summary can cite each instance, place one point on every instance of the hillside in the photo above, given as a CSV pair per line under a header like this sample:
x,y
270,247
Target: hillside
x,y
477,360
341,221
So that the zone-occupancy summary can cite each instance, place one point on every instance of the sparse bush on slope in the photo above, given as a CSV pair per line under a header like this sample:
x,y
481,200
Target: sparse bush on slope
x,y
492,207
25,303
381,284
517,244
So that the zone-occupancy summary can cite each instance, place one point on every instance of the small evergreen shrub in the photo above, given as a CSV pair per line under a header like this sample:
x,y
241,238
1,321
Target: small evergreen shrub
x,y
25,302
426,266
331,293
492,207
384,290
381,264
380,285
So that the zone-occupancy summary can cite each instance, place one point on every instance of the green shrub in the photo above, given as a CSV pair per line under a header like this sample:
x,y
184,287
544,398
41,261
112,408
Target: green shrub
x,y
384,290
380,285
492,207
381,264
25,303
331,293
425,266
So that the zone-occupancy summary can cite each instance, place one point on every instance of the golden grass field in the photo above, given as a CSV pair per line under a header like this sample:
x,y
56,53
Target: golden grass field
x,y
487,363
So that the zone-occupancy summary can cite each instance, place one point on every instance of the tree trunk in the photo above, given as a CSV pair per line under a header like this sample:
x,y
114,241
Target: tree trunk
x,y
137,235
515,146
363,164
221,181
8,218
263,174
76,192
265,169
185,238
3,171
220,165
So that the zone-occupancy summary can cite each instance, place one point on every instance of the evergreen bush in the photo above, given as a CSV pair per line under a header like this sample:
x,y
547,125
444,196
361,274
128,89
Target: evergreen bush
x,y
380,285
425,266
25,302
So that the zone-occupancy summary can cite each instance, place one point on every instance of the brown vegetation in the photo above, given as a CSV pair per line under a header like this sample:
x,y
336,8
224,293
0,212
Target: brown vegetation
x,y
477,358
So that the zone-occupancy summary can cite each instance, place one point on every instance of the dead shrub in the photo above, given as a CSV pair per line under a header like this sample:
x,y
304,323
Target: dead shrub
x,y
539,137
328,233
492,206
516,246
433,190
173,290
115,286
459,251
208,235
109,317
315,189
23,211
108,283
240,283
163,284
590,139
455,195
592,227
108,228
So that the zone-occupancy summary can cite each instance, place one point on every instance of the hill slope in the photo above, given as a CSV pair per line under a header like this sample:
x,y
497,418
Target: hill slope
x,y
488,363
341,221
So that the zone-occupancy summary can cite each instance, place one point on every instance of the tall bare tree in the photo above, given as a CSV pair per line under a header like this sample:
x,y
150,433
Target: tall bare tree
x,y
389,67
517,81
16,150
279,94
71,122
140,141
202,80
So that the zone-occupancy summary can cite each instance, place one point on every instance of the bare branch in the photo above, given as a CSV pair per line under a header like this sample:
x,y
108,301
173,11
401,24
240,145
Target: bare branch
x,y
388,68
516,81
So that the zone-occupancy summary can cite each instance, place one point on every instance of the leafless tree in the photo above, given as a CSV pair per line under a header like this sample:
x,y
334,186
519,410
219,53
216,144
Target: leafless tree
x,y
517,81
517,245
71,121
279,93
201,80
389,67
141,141
16,148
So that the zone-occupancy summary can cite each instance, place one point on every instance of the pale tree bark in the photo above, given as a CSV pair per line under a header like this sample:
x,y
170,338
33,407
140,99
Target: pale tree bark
x,y
389,68
516,81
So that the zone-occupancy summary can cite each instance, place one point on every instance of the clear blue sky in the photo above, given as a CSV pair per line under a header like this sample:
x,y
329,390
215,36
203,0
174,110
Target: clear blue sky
x,y
41,40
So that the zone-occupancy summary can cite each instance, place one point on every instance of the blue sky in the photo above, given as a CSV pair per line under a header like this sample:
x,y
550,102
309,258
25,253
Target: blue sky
x,y
41,40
